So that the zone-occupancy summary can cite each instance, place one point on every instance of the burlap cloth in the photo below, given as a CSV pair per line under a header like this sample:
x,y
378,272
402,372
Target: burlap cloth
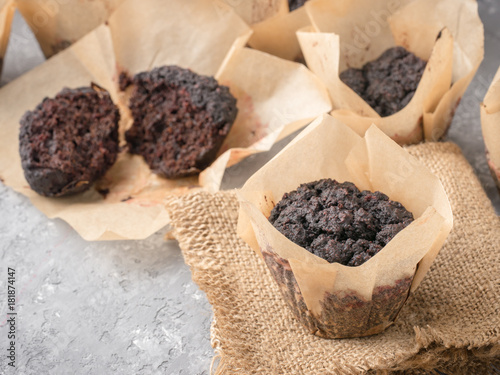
x,y
450,324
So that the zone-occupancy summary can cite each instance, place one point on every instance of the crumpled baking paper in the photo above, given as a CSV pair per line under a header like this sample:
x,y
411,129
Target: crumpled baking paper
x,y
274,97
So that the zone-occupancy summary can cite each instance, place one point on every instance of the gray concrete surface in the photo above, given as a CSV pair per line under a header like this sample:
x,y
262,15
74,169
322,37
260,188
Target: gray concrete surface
x,y
130,307
125,307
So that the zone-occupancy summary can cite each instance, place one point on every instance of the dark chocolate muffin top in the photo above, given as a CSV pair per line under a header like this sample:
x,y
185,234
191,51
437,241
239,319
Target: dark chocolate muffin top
x,y
180,120
388,83
294,4
337,222
69,141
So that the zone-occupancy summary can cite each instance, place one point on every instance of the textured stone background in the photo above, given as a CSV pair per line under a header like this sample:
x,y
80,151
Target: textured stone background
x,y
130,307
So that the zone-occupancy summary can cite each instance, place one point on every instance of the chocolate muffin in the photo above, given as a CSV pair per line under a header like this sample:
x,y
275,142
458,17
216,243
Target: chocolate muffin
x,y
294,4
69,141
337,222
180,120
388,83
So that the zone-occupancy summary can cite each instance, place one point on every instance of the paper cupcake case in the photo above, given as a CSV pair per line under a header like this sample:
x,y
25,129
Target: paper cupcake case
x,y
490,123
333,300
277,35
448,34
7,9
209,40
343,314
273,26
282,272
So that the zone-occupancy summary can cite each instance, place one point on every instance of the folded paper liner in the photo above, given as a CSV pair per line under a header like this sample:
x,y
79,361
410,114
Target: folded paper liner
x,y
446,33
59,24
273,26
195,35
330,149
7,9
490,123
254,11
277,35
450,323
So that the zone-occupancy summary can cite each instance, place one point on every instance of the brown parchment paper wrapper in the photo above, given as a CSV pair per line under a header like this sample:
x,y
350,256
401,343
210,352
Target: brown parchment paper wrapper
x,y
275,98
254,11
192,34
58,24
277,35
490,123
127,203
446,33
7,9
332,300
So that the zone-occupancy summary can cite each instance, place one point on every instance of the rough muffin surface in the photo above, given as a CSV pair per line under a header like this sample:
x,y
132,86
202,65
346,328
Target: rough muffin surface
x,y
388,83
337,222
180,120
69,141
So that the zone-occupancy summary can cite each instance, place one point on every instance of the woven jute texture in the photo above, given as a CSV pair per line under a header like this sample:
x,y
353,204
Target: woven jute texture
x,y
451,323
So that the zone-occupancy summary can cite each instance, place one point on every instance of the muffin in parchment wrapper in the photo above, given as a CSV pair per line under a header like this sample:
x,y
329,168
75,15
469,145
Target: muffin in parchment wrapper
x,y
274,98
333,300
448,34
59,24
7,9
490,123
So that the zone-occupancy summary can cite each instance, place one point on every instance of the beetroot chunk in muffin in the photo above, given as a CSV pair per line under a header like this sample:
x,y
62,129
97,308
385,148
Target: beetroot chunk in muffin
x,y
337,222
180,120
69,141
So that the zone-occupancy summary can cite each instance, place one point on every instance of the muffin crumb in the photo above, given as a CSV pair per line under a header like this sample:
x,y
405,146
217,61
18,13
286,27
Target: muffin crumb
x,y
337,222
